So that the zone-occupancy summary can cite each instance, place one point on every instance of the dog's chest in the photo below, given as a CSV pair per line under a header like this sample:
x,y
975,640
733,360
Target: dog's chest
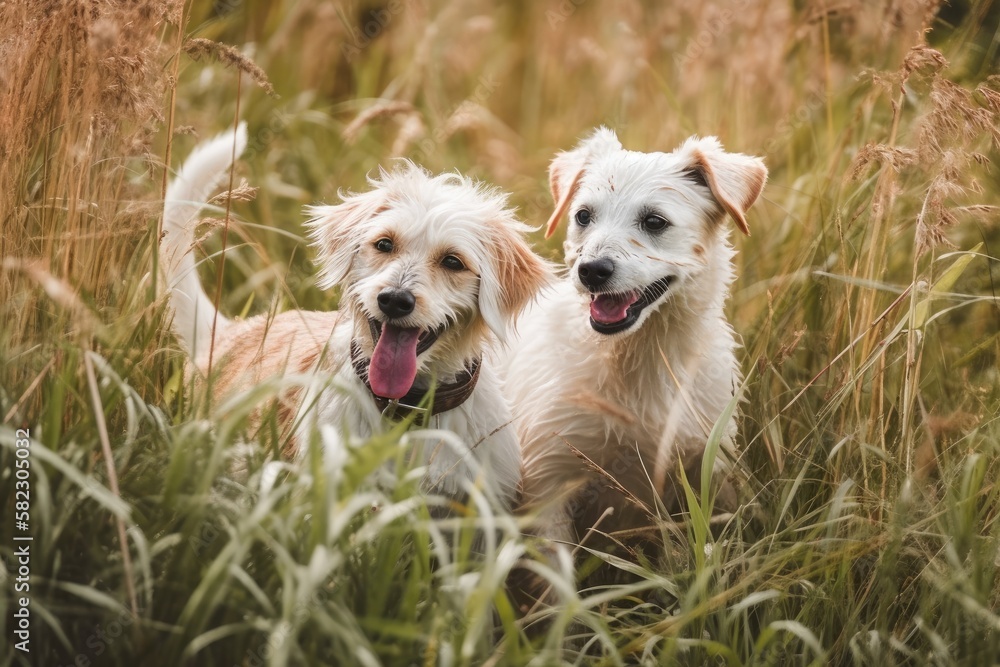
x,y
653,393
469,444
642,411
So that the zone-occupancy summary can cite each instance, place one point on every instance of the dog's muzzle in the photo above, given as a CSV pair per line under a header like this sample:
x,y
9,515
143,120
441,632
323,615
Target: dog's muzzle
x,y
615,312
396,303
595,273
424,340
393,366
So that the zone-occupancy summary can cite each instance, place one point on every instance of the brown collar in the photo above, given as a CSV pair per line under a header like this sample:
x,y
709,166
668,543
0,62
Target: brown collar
x,y
446,396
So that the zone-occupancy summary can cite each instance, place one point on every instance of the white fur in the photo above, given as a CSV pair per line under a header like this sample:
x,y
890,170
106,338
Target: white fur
x,y
427,217
656,389
204,170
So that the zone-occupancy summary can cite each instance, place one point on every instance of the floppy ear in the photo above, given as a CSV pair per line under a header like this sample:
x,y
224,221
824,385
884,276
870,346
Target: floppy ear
x,y
509,280
567,168
735,180
334,232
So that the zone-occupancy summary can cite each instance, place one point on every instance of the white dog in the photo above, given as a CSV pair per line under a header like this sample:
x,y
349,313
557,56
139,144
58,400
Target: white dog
x,y
432,270
621,371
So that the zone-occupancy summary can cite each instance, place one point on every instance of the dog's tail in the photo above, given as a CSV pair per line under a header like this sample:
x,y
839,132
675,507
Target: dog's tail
x,y
194,312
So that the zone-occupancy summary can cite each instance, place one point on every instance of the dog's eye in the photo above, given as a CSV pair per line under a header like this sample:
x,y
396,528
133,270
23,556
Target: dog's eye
x,y
583,217
384,245
654,223
452,263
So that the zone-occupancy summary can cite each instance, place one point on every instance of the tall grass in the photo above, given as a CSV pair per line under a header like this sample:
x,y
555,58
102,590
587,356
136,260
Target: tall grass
x,y
866,301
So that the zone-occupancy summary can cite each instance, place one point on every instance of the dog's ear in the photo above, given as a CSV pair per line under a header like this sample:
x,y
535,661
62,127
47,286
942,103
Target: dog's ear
x,y
567,168
510,278
334,231
735,180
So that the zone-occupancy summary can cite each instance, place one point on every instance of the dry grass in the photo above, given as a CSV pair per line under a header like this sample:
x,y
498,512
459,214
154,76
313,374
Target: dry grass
x,y
83,88
867,301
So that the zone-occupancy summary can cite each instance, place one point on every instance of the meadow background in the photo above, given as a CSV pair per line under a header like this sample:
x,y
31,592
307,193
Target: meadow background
x,y
866,299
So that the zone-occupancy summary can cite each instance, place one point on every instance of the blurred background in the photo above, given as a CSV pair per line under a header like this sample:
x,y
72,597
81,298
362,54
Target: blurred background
x,y
866,296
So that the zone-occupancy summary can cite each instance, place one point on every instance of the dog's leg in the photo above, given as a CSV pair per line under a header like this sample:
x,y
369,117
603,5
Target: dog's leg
x,y
691,459
530,590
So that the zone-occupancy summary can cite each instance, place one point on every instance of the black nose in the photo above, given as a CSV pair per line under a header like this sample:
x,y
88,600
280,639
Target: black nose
x,y
596,272
396,302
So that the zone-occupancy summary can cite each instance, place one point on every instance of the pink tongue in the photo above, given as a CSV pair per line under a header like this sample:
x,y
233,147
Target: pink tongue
x,y
394,363
611,308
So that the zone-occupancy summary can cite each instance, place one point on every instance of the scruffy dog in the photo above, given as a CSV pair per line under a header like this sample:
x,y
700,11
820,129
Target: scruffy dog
x,y
433,271
621,371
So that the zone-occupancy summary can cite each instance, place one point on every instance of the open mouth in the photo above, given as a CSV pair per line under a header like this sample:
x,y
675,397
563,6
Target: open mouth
x,y
424,338
614,312
393,366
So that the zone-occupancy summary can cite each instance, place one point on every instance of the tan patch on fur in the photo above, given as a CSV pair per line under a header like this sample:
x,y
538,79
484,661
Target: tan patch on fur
x,y
562,199
374,257
439,256
755,183
261,348
384,235
592,402
335,231
520,271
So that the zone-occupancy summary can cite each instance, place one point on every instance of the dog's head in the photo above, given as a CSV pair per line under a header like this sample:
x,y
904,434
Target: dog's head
x,y
428,266
643,226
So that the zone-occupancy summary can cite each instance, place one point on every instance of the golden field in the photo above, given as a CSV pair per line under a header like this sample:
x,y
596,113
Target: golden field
x,y
866,299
